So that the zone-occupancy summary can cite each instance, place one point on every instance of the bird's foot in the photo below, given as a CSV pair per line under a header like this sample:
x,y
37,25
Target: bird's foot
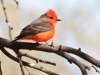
x,y
46,43
51,45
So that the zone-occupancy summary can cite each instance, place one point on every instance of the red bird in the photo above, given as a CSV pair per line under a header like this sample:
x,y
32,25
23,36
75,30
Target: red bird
x,y
40,30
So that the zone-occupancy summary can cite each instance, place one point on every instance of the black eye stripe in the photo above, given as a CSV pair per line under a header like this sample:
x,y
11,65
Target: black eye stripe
x,y
51,17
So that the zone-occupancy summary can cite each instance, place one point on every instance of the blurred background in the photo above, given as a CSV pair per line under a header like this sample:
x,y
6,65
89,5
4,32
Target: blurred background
x,y
80,27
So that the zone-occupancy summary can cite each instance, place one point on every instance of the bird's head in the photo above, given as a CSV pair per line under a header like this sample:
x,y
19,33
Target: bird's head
x,y
51,17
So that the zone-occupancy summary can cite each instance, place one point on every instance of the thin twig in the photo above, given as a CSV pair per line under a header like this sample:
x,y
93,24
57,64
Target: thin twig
x,y
95,68
17,3
7,21
0,69
37,59
29,73
21,65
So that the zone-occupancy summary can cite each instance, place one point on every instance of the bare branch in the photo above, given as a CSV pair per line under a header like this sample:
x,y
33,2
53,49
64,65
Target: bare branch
x,y
29,73
21,65
71,59
95,68
26,63
49,49
33,46
40,47
81,54
17,3
0,69
7,21
36,59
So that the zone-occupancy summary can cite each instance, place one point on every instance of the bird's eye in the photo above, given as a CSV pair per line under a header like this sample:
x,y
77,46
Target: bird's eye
x,y
51,17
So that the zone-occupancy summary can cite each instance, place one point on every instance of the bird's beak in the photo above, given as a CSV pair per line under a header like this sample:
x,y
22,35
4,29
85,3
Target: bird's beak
x,y
58,20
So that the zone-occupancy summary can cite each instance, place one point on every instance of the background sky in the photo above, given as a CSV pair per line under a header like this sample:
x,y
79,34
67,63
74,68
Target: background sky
x,y
80,27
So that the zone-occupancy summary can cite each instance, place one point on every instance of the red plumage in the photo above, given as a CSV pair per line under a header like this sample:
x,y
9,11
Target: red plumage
x,y
50,12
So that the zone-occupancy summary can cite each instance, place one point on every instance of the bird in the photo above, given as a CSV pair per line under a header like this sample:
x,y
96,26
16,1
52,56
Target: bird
x,y
40,30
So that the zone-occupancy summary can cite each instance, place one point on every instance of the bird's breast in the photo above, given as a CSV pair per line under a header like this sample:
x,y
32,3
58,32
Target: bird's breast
x,y
41,37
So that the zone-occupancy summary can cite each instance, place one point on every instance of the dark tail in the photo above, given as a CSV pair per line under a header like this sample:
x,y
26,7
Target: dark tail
x,y
12,41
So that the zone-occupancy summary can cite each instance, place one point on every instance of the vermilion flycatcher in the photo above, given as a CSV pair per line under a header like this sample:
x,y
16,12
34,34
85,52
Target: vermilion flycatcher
x,y
40,30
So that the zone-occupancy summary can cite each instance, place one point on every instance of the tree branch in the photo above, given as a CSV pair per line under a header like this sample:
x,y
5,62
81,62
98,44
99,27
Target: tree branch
x,y
36,59
55,49
7,21
46,49
21,65
33,46
71,59
26,63
0,69
17,3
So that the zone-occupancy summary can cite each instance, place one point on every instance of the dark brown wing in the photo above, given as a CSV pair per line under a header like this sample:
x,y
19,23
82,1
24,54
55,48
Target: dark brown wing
x,y
37,26
34,28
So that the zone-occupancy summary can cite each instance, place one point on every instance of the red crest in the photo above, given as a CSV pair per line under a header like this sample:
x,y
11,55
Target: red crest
x,y
51,13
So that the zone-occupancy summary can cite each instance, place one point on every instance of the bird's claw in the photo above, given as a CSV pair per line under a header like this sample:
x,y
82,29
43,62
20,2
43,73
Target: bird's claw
x,y
46,43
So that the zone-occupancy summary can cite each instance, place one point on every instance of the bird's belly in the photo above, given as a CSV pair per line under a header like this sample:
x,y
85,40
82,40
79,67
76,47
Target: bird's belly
x,y
41,37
